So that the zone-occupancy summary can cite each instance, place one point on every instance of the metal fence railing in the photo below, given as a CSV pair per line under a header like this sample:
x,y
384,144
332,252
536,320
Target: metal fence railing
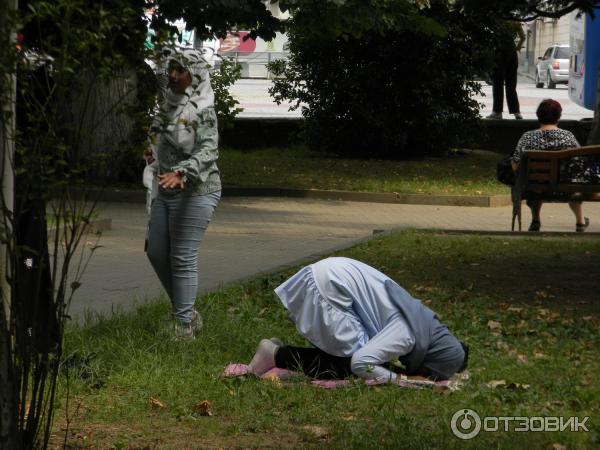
x,y
254,64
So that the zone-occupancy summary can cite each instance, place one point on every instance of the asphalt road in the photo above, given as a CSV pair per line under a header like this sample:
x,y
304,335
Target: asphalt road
x,y
254,98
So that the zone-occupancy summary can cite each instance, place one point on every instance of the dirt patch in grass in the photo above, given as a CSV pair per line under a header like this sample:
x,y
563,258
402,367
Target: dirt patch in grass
x,y
179,435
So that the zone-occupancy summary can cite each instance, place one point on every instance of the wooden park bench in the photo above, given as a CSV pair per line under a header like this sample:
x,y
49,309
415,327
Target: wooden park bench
x,y
556,176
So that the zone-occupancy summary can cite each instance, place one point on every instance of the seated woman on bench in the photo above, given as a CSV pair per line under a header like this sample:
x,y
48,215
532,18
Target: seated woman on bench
x,y
361,322
548,137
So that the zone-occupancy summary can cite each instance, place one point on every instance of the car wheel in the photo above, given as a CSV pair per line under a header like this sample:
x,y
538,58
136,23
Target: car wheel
x,y
551,84
538,83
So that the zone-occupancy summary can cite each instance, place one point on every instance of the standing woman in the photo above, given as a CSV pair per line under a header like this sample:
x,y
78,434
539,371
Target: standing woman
x,y
508,43
189,185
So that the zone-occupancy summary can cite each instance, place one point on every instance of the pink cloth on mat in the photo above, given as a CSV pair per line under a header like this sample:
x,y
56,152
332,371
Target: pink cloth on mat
x,y
238,370
330,384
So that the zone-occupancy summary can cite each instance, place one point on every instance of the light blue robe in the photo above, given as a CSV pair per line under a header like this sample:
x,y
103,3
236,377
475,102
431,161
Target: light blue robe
x,y
347,308
342,307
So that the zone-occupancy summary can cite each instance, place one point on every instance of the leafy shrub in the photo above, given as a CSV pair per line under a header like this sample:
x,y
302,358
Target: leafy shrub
x,y
398,86
225,105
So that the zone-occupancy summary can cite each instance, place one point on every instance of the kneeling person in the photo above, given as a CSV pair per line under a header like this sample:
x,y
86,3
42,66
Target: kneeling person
x,y
361,322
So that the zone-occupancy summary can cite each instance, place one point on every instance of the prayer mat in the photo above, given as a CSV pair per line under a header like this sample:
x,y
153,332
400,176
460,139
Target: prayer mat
x,y
276,374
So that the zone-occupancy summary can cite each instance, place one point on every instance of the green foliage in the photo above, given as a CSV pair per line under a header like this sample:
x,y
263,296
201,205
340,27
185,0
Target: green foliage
x,y
217,17
86,81
391,80
225,105
530,9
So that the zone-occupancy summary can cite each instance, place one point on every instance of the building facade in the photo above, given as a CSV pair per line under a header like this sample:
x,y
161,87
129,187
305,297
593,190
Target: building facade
x,y
541,34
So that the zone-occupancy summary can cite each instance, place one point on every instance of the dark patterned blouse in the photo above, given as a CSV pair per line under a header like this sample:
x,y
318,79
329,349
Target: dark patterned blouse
x,y
557,139
578,169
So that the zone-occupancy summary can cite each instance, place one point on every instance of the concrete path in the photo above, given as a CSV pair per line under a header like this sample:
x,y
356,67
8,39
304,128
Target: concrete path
x,y
249,236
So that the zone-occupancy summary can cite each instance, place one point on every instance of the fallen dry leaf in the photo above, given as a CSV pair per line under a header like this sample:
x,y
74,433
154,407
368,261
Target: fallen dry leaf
x,y
518,386
273,378
553,404
496,383
522,358
539,355
514,309
348,417
317,431
501,345
557,446
203,408
156,403
493,325
441,389
522,324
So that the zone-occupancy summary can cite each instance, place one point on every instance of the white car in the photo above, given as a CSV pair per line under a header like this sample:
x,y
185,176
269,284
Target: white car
x,y
553,67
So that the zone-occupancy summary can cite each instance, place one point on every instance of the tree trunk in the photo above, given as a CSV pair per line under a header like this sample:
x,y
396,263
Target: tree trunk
x,y
9,437
594,136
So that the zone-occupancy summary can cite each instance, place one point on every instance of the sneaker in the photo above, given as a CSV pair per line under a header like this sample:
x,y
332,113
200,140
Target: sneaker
x,y
264,358
184,332
580,227
518,116
196,321
495,115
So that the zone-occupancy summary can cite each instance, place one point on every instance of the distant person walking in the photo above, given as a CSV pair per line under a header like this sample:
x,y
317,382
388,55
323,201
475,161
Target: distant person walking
x,y
509,41
189,185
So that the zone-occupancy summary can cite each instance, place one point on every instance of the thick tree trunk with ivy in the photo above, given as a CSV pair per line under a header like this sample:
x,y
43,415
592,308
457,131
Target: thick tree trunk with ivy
x,y
52,155
8,385
106,112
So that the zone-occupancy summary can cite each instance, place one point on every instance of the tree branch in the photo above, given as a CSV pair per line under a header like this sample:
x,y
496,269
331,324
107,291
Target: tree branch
x,y
535,12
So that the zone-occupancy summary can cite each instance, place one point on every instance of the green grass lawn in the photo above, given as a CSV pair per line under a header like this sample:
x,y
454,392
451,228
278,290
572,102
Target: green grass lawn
x,y
471,173
528,307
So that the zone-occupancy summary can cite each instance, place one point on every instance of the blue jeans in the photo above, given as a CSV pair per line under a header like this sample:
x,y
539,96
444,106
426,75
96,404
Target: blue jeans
x,y
176,228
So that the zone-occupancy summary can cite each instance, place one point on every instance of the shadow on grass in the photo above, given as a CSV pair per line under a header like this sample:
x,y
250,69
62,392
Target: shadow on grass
x,y
557,271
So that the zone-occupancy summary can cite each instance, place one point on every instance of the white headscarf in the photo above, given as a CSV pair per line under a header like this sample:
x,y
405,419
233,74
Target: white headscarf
x,y
200,92
181,111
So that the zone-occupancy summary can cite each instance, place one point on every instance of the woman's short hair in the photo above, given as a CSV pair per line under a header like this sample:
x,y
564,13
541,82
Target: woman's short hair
x,y
549,112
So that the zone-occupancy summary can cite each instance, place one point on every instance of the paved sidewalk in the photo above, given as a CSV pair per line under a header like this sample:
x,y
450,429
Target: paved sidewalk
x,y
249,236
